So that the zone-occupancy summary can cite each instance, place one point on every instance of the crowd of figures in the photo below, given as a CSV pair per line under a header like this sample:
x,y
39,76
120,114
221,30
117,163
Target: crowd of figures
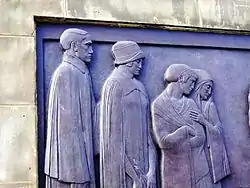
x,y
182,121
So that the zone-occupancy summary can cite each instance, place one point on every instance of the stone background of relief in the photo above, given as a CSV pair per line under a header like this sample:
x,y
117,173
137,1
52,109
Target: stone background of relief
x,y
229,68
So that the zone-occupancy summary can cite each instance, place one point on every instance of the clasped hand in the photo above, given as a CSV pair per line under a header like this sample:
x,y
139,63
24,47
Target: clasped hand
x,y
197,116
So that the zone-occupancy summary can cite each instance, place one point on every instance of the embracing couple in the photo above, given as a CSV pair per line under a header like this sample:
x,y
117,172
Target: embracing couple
x,y
188,131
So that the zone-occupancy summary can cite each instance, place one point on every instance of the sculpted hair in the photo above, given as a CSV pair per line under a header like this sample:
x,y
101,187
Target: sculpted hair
x,y
71,35
178,73
186,75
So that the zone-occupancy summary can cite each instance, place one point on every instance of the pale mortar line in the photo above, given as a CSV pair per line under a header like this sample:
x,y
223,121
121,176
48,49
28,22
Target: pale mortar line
x,y
17,182
18,105
15,35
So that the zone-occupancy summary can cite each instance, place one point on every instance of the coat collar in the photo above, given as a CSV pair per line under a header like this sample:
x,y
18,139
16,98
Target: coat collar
x,y
129,82
75,61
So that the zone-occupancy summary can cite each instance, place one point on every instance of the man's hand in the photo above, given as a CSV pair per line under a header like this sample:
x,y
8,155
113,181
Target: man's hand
x,y
151,180
140,182
141,179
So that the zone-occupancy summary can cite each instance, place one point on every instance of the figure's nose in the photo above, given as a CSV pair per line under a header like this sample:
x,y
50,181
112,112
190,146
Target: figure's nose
x,y
90,50
192,86
140,64
209,91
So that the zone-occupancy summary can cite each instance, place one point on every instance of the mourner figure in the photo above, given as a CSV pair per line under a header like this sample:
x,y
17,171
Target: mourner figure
x,y
71,111
180,138
127,152
215,148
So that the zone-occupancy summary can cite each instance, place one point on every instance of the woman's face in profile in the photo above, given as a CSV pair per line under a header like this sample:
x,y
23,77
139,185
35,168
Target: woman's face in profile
x,y
206,90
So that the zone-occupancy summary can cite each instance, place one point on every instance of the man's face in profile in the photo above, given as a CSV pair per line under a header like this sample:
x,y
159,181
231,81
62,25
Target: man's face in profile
x,y
85,50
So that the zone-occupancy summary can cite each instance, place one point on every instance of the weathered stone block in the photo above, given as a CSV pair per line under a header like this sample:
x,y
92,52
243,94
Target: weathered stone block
x,y
233,14
17,16
17,73
176,12
18,144
129,10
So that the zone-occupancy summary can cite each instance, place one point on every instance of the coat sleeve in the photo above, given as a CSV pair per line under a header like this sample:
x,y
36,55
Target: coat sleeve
x,y
96,129
152,148
112,149
111,139
51,159
74,122
166,135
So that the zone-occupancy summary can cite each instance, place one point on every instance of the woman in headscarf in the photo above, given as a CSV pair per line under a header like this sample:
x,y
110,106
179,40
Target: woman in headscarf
x,y
215,148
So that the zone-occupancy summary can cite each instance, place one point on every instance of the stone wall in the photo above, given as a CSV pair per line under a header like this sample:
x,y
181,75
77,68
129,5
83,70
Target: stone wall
x,y
18,122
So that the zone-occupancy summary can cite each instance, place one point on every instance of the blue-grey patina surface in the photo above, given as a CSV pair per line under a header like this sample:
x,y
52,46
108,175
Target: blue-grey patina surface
x,y
225,57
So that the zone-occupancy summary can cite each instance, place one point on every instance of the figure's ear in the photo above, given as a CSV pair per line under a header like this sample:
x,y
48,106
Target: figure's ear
x,y
183,78
73,46
180,78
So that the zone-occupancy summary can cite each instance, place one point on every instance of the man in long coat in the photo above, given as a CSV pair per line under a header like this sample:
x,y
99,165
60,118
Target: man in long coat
x,y
71,111
127,152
